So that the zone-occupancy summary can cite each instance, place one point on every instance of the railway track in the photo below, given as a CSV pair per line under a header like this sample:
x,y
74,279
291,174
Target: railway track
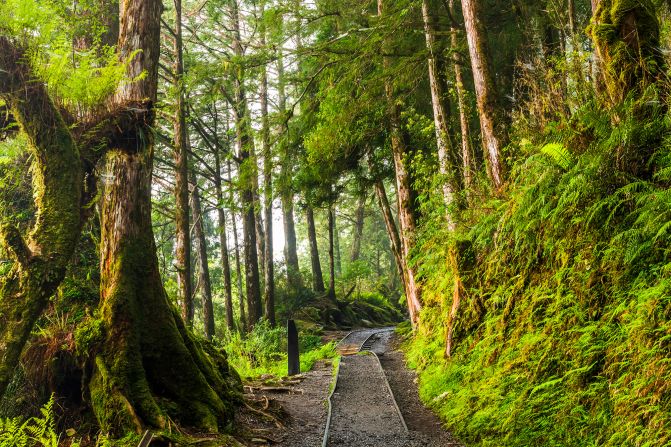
x,y
362,409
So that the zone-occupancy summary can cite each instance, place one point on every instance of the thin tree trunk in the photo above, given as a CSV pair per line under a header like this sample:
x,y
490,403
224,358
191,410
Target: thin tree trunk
x,y
466,150
358,228
294,279
392,231
269,270
493,132
247,172
332,268
404,195
203,267
571,17
336,245
223,244
238,267
317,276
182,238
448,160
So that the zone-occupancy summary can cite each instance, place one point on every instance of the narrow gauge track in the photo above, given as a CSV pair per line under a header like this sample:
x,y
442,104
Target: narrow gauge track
x,y
362,409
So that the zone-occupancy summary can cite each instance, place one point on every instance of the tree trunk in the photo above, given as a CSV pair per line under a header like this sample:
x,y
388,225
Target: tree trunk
x,y
466,150
238,268
269,270
336,245
223,244
358,228
626,37
203,267
332,268
317,276
148,366
494,136
392,231
448,159
40,262
182,237
248,178
294,280
406,213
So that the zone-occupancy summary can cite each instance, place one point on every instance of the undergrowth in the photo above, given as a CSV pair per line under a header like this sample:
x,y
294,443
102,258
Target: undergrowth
x,y
563,336
264,351
38,431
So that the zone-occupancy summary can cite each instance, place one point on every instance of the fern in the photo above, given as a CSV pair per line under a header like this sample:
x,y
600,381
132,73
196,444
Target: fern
x,y
559,154
39,431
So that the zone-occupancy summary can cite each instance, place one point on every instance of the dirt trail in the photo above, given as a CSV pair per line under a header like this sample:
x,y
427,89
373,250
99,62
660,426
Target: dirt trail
x,y
363,410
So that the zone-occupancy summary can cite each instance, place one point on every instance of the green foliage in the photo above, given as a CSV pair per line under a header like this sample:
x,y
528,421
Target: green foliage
x,y
264,351
65,48
39,431
562,333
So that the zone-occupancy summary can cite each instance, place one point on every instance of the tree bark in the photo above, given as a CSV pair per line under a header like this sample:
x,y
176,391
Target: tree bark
x,y
238,268
466,150
148,364
406,213
392,231
358,228
317,276
286,192
494,136
203,267
269,270
248,174
182,237
40,262
336,245
223,244
448,159
332,268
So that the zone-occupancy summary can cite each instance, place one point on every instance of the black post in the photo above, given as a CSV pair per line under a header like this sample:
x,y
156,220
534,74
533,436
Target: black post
x,y
293,354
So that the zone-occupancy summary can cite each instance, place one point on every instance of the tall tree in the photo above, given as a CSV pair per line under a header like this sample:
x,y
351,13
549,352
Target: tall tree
x,y
204,281
247,177
269,270
317,276
448,159
359,218
183,236
286,190
332,264
468,162
494,137
406,212
148,358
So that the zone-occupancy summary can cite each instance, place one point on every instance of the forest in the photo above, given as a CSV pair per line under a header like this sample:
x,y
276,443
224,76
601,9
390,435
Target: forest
x,y
179,179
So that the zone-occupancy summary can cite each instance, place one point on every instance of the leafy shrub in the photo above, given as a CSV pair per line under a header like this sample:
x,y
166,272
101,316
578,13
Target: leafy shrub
x,y
39,431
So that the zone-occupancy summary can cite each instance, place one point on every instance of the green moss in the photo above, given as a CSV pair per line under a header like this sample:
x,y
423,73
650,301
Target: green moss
x,y
562,335
626,34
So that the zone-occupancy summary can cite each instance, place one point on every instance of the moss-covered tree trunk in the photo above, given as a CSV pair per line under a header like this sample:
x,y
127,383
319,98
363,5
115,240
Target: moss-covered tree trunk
x,y
148,366
40,260
626,37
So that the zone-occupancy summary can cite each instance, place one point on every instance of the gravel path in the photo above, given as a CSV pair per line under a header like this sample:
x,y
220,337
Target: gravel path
x,y
423,424
364,413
